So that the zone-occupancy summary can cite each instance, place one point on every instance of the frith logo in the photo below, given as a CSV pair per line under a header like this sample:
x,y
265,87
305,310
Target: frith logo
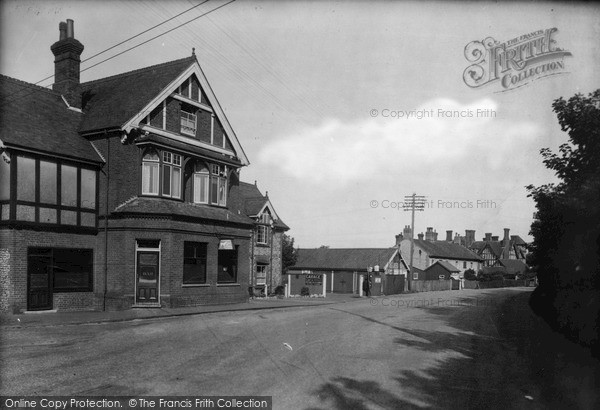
x,y
515,62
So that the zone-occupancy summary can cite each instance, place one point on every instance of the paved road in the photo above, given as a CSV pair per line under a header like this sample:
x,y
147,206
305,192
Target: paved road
x,y
458,349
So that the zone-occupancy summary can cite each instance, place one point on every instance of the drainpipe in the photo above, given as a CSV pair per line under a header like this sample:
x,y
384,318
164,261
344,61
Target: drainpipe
x,y
106,223
252,269
271,261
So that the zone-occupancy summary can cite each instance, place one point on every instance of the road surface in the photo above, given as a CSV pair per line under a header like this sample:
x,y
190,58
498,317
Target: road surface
x,y
453,349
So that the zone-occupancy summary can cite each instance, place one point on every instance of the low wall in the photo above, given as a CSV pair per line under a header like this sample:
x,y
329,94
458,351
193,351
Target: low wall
x,y
431,285
506,283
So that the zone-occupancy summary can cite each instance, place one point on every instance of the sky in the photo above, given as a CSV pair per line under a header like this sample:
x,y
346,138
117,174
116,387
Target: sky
x,y
345,108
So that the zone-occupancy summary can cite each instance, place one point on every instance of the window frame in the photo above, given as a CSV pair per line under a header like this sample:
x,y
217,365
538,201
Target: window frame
x,y
167,160
33,250
55,208
185,119
220,265
202,258
197,174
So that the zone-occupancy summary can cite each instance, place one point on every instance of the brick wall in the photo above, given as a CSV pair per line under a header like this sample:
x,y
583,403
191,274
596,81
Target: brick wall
x,y
172,234
274,268
13,278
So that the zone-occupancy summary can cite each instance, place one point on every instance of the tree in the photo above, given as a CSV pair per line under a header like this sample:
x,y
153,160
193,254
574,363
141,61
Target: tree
x,y
289,253
566,248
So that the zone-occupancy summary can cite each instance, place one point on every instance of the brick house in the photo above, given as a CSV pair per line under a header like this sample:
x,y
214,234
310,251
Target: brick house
x,y
123,192
266,255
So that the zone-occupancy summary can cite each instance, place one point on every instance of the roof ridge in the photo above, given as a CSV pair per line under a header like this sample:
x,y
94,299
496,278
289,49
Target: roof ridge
x,y
137,70
25,83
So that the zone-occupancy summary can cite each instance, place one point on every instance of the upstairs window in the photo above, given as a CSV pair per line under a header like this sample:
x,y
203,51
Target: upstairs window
x,y
201,183
218,195
262,234
188,122
161,175
171,182
150,169
48,192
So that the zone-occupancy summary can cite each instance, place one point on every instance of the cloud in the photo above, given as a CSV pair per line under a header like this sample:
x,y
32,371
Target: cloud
x,y
441,134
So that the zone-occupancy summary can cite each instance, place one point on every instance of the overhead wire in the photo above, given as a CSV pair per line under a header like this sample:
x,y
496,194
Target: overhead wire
x,y
138,45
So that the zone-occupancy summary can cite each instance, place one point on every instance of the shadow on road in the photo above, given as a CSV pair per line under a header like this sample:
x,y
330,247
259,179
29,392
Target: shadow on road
x,y
497,356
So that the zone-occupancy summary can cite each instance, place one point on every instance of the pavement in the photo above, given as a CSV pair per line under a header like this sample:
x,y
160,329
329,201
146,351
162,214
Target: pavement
x,y
58,318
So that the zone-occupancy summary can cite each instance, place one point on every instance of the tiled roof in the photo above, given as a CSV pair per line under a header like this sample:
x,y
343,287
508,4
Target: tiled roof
x,y
110,102
37,118
250,201
446,250
446,265
160,206
514,266
517,240
495,247
357,259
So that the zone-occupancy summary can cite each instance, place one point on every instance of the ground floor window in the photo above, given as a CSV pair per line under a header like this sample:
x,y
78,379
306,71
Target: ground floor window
x,y
261,274
194,263
68,270
227,265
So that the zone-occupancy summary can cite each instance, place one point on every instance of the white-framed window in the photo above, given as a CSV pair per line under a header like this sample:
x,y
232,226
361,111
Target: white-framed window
x,y
262,230
201,183
161,175
150,168
188,122
261,274
415,276
218,194
171,178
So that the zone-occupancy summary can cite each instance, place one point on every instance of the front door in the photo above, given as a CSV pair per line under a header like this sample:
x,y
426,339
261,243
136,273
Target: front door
x,y
147,277
39,280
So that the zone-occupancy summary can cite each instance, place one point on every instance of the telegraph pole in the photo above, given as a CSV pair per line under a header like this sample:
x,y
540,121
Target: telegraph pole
x,y
413,203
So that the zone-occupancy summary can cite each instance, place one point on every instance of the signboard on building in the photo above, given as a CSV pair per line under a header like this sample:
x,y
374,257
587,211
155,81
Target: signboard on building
x,y
226,244
313,279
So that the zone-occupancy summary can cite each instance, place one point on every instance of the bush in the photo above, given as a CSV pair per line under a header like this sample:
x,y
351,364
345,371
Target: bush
x,y
279,290
304,291
470,274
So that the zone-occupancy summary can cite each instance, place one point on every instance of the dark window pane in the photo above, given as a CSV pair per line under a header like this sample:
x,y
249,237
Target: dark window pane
x,y
4,180
166,180
227,266
26,179
73,269
88,188
47,182
194,263
68,186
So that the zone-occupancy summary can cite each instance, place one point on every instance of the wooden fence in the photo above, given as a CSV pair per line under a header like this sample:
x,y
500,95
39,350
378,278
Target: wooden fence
x,y
506,283
431,285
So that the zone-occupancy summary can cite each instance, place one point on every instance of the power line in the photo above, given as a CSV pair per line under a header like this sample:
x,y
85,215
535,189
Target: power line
x,y
160,35
138,45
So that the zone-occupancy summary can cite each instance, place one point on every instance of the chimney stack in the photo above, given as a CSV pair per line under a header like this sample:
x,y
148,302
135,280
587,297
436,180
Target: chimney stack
x,y
448,236
435,234
457,238
488,236
407,232
399,239
506,235
67,59
420,236
429,234
469,237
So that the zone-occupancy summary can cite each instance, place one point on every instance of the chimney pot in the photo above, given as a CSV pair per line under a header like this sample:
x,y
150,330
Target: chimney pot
x,y
70,29
62,28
